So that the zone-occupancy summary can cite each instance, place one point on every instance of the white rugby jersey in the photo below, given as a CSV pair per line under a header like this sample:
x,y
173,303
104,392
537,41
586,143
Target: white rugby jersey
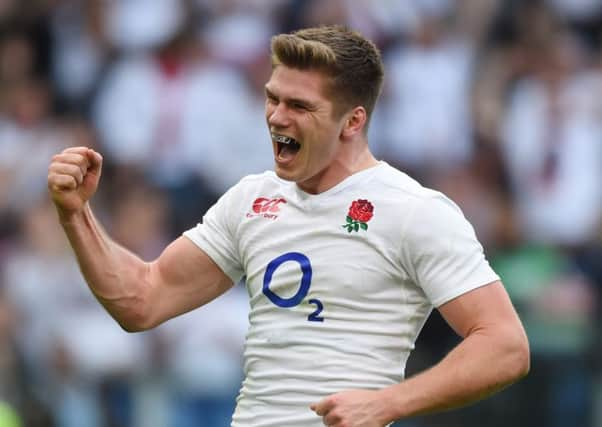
x,y
340,283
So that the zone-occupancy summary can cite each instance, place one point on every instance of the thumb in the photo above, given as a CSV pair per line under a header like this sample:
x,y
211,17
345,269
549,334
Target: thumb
x,y
321,407
95,160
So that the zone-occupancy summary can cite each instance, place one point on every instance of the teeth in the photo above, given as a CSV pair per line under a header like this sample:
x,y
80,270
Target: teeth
x,y
282,139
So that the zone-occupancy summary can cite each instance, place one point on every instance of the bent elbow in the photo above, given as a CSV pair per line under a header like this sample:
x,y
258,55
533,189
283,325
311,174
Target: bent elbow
x,y
520,360
524,365
136,320
135,310
132,314
132,327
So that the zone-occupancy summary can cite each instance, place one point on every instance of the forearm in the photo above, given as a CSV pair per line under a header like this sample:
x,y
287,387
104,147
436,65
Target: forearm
x,y
117,277
482,364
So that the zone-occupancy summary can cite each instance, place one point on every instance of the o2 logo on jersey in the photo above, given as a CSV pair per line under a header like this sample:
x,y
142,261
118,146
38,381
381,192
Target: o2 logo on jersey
x,y
304,285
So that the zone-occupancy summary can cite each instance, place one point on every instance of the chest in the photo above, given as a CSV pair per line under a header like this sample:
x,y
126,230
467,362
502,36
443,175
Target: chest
x,y
320,259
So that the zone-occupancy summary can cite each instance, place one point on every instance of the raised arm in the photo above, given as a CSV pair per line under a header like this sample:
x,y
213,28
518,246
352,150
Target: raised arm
x,y
138,294
494,353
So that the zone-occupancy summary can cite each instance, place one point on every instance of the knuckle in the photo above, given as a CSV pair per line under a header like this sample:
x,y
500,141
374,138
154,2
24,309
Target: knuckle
x,y
74,170
331,419
334,399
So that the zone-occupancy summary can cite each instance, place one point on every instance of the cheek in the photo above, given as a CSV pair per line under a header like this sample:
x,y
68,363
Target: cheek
x,y
320,155
327,144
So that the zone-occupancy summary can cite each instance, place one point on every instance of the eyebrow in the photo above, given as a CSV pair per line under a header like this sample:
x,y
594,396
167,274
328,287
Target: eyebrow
x,y
269,93
304,102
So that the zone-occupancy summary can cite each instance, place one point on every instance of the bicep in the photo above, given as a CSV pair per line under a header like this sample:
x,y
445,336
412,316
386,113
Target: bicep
x,y
485,308
184,277
494,341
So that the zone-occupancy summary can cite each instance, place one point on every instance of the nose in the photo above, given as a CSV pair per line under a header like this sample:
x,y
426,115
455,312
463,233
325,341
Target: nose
x,y
277,115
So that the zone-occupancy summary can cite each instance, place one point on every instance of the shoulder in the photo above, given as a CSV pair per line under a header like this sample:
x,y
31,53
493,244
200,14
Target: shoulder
x,y
255,185
418,208
259,180
400,187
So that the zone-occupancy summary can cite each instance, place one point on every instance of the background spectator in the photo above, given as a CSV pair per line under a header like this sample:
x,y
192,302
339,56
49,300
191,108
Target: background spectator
x,y
495,102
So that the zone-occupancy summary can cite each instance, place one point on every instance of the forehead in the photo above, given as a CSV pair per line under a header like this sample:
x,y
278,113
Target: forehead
x,y
288,82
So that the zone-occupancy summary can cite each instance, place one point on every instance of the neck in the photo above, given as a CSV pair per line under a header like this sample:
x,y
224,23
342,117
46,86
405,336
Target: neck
x,y
347,163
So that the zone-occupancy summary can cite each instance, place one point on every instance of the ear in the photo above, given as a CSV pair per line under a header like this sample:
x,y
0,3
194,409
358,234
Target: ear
x,y
354,123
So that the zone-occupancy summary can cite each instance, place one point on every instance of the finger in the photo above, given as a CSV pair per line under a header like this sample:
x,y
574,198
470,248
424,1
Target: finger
x,y
73,158
76,154
77,150
94,159
315,407
58,183
331,420
322,407
67,169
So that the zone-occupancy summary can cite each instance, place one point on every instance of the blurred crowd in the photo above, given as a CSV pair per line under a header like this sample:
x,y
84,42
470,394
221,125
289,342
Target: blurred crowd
x,y
497,103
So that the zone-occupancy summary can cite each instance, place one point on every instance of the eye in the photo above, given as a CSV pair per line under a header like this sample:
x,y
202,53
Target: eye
x,y
271,98
298,106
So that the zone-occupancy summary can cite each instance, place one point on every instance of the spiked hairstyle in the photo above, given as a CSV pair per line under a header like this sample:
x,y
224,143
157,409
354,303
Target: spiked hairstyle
x,y
352,63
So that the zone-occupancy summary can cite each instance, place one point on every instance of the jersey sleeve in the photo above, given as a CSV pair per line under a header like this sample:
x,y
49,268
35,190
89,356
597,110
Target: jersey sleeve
x,y
216,236
444,256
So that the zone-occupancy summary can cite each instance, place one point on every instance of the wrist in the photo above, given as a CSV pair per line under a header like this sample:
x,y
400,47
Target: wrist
x,y
69,217
392,410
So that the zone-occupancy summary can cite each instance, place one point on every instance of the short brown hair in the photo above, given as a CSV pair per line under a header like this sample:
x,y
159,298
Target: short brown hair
x,y
351,61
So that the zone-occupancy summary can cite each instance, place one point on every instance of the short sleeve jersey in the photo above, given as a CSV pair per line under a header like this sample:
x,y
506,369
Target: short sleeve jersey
x,y
340,283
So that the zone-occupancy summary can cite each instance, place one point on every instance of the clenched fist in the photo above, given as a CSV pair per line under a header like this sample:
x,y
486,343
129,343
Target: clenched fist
x,y
352,408
73,177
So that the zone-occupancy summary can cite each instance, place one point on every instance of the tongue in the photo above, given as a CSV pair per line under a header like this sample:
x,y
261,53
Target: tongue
x,y
287,152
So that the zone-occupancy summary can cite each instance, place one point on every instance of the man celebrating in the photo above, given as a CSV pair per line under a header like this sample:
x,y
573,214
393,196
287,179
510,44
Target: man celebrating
x,y
344,259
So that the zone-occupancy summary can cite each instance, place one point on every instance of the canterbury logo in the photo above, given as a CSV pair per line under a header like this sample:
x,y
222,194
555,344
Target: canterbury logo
x,y
266,208
262,205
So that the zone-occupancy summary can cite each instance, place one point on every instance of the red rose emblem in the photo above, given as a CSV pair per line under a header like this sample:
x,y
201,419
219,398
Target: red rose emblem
x,y
360,212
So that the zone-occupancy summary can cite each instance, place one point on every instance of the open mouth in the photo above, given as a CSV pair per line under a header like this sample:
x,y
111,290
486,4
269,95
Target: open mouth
x,y
287,146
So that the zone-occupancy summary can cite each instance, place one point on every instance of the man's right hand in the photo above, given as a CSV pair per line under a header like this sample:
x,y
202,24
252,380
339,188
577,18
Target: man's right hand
x,y
73,177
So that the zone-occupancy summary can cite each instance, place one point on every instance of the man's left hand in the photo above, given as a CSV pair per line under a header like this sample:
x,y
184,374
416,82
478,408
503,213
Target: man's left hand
x,y
352,408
